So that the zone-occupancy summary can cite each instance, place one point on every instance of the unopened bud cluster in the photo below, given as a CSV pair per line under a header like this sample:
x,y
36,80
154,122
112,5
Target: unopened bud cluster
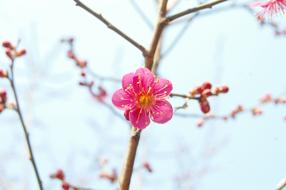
x,y
255,110
3,99
204,91
11,51
60,175
100,93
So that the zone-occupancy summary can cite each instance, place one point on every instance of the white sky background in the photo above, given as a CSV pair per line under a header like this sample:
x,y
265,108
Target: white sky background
x,y
69,130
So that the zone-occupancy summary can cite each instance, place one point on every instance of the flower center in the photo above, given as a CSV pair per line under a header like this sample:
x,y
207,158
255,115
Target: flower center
x,y
145,100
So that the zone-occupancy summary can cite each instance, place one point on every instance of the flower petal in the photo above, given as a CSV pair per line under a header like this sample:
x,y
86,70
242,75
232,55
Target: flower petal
x,y
162,88
127,83
139,118
137,84
122,100
146,77
161,112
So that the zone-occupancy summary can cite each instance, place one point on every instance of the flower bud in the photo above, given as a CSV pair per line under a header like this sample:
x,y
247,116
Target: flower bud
x,y
21,52
266,98
224,89
3,73
59,174
7,44
256,111
206,93
65,186
3,96
205,106
206,85
147,166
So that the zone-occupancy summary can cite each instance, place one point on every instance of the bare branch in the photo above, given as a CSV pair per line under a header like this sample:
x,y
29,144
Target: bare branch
x,y
24,127
149,59
189,97
112,27
208,5
127,169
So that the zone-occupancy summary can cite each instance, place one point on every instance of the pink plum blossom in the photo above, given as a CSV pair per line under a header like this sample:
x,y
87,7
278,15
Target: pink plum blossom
x,y
143,96
270,7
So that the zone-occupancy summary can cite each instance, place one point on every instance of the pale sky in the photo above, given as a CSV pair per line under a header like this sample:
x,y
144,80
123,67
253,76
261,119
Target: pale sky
x,y
69,130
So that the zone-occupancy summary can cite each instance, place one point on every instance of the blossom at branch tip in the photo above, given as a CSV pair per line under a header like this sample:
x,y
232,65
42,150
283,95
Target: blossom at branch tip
x,y
269,8
143,97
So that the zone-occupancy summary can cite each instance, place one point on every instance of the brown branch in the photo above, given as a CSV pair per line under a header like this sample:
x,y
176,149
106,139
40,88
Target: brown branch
x,y
111,26
149,59
208,5
127,169
24,127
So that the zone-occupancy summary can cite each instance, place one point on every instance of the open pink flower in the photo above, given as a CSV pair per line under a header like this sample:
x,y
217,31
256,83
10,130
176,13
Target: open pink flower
x,y
270,8
143,97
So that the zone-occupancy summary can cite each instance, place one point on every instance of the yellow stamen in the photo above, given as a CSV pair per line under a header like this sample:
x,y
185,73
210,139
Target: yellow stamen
x,y
145,100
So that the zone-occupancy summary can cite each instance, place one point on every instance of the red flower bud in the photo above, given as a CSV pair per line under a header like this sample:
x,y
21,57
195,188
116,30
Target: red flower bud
x,y
204,105
3,96
147,167
59,174
21,52
206,93
3,73
224,89
206,85
7,44
65,186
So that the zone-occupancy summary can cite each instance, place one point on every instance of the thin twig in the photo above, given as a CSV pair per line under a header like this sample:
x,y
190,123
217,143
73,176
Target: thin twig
x,y
111,26
189,97
27,137
208,5
188,21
